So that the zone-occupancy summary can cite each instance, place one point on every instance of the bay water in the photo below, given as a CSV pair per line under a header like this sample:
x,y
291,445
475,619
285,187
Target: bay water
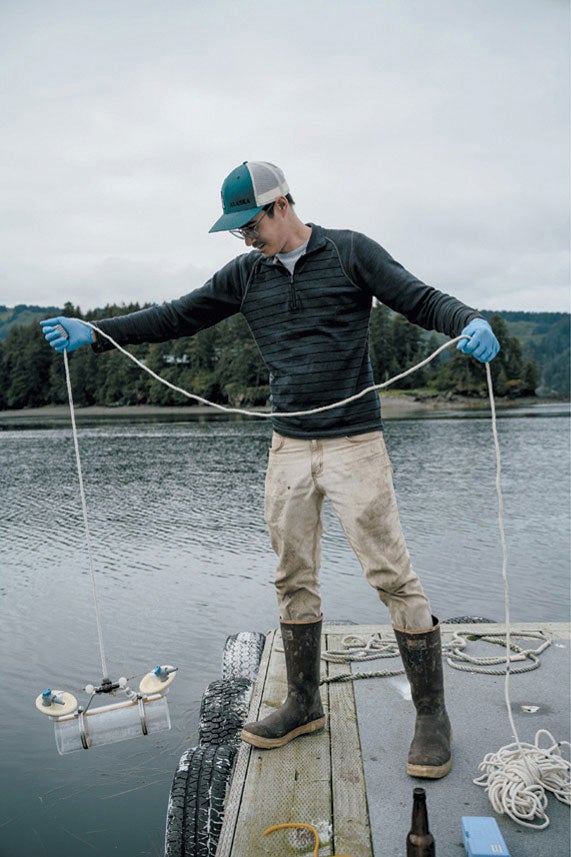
x,y
182,560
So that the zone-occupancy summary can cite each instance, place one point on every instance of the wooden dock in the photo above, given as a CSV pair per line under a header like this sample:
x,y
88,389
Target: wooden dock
x,y
349,781
318,781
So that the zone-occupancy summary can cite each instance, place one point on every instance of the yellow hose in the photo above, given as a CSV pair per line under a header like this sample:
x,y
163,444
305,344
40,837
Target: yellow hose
x,y
307,827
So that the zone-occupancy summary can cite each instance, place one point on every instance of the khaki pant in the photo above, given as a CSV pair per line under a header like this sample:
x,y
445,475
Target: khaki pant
x,y
355,474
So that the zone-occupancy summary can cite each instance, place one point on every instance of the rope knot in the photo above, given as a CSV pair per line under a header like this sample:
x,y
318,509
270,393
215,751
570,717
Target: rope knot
x,y
526,770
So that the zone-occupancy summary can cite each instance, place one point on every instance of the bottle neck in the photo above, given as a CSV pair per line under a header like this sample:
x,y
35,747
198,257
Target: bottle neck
x,y
419,842
419,813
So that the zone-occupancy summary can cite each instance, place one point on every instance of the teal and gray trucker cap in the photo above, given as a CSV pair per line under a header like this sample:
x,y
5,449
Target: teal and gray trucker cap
x,y
245,192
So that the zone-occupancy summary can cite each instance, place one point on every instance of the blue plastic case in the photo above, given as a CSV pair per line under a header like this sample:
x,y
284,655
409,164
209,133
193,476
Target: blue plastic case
x,y
482,837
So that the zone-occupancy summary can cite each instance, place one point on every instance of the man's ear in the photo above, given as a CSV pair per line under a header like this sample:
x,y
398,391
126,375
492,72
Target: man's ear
x,y
282,204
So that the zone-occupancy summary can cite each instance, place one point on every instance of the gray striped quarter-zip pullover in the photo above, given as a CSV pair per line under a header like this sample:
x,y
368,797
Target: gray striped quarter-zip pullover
x,y
312,326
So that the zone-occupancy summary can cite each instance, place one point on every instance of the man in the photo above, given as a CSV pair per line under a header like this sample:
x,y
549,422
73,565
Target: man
x,y
306,293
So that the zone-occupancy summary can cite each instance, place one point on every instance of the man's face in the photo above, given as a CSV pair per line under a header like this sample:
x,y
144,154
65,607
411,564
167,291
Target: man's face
x,y
256,233
266,232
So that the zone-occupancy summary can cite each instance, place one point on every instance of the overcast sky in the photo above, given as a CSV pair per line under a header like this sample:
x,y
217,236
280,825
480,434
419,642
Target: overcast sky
x,y
440,128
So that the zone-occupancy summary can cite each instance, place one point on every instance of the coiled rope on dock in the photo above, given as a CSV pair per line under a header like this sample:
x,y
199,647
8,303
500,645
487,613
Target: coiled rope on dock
x,y
485,665
358,650
517,776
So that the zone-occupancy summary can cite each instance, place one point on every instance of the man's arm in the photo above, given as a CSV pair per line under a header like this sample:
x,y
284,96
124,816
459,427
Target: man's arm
x,y
376,271
219,298
216,300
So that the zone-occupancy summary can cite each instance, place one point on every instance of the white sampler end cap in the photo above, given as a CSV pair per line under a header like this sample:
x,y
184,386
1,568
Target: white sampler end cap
x,y
67,705
154,682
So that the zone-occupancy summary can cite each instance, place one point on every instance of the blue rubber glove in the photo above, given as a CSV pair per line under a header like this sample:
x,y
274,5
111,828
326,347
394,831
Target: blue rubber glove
x,y
483,345
66,334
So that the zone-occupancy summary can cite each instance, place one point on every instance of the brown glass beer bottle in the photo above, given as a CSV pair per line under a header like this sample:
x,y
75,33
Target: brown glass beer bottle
x,y
420,841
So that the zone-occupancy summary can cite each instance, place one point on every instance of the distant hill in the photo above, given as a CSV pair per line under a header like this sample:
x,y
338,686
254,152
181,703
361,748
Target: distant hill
x,y
23,314
544,337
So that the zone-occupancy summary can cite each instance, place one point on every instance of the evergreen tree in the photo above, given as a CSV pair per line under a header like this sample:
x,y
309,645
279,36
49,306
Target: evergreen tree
x,y
4,375
27,367
408,350
466,376
381,344
531,378
240,371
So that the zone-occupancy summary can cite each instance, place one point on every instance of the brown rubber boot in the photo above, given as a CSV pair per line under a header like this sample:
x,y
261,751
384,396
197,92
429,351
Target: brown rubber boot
x,y
430,754
302,711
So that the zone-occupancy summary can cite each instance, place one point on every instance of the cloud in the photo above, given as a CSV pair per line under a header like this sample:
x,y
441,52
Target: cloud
x,y
439,129
97,282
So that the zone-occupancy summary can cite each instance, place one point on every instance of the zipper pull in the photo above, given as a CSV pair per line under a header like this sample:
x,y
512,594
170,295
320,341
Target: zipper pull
x,y
295,303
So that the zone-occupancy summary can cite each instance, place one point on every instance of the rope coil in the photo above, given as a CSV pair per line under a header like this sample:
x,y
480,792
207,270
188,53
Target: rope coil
x,y
478,664
358,650
518,775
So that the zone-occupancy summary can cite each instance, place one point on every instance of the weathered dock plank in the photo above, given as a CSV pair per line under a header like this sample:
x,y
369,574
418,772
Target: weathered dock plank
x,y
351,829
234,797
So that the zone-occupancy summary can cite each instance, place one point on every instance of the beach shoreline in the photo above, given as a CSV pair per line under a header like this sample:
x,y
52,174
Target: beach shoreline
x,y
392,407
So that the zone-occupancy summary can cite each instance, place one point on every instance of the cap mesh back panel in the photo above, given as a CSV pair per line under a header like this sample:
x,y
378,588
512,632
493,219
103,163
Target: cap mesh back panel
x,y
267,179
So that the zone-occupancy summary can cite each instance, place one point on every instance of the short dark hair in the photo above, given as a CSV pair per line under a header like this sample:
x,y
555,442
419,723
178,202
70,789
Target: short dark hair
x,y
270,207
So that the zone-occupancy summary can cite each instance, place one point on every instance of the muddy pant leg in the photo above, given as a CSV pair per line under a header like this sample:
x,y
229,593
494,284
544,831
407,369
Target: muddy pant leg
x,y
293,506
357,478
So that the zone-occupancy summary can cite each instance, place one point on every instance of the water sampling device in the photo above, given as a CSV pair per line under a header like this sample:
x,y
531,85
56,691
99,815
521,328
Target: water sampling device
x,y
143,712
81,728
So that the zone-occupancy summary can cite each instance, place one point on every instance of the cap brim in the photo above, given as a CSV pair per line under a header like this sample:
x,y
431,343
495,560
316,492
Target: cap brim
x,y
236,219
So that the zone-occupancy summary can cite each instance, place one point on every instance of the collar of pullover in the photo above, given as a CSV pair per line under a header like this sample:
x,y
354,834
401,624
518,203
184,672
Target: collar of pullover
x,y
316,241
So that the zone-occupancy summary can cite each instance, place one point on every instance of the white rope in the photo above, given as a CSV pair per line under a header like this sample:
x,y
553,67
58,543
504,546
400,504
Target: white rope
x,y
516,777
478,664
270,414
357,649
104,672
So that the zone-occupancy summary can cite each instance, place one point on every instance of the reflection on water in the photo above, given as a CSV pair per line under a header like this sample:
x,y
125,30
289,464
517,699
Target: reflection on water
x,y
183,559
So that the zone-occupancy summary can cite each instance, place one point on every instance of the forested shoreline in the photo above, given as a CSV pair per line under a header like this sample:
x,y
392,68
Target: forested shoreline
x,y
223,364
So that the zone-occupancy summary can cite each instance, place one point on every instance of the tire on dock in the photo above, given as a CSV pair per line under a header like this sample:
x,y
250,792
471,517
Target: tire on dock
x,y
242,654
196,803
223,711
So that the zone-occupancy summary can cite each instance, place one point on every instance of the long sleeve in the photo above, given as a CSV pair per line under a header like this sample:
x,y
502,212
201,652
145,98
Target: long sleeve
x,y
376,271
217,299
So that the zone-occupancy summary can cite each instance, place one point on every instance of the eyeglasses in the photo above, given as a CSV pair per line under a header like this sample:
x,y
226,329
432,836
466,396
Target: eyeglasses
x,y
251,229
